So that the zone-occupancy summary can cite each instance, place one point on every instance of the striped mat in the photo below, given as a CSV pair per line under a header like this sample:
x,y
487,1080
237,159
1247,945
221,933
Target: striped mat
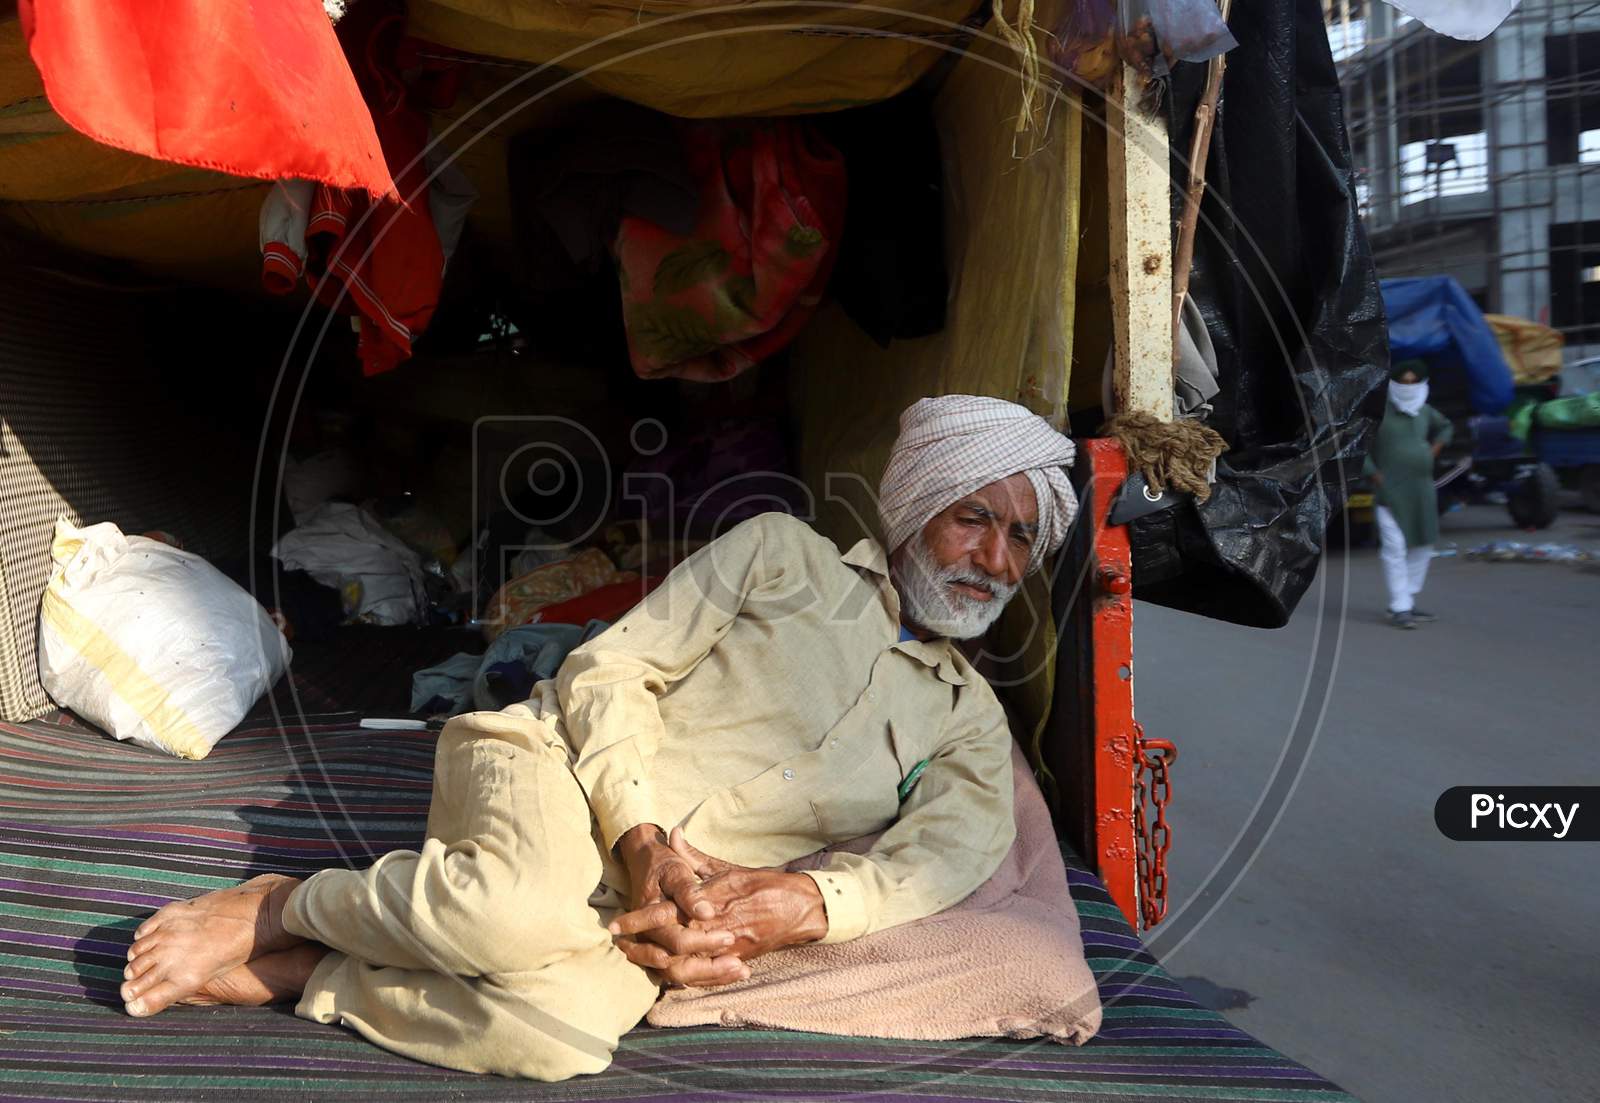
x,y
95,834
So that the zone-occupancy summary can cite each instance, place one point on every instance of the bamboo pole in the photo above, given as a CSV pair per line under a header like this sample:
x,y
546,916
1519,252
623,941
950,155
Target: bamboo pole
x,y
1199,151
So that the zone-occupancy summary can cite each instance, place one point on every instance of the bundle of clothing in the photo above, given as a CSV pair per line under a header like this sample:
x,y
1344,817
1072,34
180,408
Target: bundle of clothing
x,y
585,587
504,674
724,233
379,260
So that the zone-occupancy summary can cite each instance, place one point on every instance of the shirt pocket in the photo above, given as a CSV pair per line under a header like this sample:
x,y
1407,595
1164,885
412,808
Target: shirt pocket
x,y
859,796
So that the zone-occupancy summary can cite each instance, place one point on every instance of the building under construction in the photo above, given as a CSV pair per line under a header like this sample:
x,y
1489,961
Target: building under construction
x,y
1481,160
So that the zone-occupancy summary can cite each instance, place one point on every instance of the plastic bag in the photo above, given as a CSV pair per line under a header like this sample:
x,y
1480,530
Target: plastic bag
x,y
1190,30
1470,22
1573,412
1302,369
343,546
151,643
1154,35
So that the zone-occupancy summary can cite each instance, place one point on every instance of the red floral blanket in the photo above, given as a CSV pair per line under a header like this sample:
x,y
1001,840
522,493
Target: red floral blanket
x,y
709,305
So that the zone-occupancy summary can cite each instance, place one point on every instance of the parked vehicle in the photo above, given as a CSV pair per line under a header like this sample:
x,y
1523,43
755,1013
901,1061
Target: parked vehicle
x,y
1534,452
1476,385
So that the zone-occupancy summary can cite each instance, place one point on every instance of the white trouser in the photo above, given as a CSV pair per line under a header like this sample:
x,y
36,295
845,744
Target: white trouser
x,y
1404,569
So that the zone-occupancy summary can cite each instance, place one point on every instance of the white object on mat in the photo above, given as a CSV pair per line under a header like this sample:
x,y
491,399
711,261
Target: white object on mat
x,y
340,543
153,644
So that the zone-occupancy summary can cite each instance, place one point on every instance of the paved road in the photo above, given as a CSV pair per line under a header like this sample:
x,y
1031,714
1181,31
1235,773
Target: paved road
x,y
1406,967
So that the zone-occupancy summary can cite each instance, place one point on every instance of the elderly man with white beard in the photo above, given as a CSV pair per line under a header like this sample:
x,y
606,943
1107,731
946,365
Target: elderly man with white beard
x,y
628,825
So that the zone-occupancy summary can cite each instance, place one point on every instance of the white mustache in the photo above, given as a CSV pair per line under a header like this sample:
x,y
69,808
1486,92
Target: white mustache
x,y
987,585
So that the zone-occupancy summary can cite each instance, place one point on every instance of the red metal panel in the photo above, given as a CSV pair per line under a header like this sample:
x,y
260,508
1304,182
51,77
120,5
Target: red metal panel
x,y
1115,762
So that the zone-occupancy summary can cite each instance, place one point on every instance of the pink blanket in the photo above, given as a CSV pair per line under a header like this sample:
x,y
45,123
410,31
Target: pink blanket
x,y
1005,962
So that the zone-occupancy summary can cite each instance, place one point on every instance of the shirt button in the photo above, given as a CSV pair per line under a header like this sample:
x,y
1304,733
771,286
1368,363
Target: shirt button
x,y
833,742
788,775
872,695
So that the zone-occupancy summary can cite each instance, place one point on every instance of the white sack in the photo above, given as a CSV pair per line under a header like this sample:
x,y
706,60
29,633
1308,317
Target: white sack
x,y
342,543
153,644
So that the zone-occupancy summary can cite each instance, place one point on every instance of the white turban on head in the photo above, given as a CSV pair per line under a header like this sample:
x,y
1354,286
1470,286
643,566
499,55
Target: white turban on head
x,y
952,445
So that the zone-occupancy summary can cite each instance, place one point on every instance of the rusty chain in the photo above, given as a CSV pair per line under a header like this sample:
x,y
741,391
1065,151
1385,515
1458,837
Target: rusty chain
x,y
1153,836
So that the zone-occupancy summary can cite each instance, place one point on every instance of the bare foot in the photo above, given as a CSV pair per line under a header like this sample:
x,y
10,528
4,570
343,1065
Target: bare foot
x,y
190,943
271,978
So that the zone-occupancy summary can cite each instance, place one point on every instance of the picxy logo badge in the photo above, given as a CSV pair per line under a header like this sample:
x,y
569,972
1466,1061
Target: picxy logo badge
x,y
1513,813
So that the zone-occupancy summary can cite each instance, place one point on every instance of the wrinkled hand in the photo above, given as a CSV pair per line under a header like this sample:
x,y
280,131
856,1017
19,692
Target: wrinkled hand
x,y
763,909
758,910
657,872
663,878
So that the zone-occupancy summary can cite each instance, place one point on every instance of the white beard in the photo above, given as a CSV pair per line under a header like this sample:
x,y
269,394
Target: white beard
x,y
931,603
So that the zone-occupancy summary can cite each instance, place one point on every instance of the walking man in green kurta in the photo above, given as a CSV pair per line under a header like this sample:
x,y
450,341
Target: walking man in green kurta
x,y
1401,466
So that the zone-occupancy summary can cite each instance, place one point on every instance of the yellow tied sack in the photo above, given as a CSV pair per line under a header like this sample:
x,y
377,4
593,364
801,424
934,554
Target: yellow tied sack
x,y
151,643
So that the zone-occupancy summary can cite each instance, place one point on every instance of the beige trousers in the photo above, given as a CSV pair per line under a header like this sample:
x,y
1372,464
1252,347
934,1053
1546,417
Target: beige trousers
x,y
484,952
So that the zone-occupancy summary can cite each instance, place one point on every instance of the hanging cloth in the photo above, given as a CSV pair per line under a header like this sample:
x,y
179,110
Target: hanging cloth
x,y
384,255
707,305
259,90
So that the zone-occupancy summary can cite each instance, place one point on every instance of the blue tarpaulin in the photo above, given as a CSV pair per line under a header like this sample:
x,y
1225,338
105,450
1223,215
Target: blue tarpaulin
x,y
1434,319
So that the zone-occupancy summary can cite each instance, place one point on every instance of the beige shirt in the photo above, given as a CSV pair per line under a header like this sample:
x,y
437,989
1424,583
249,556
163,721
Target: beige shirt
x,y
761,697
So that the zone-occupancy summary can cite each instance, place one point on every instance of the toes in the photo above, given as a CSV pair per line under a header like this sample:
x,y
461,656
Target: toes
x,y
134,987
154,1000
138,967
142,945
152,972
150,926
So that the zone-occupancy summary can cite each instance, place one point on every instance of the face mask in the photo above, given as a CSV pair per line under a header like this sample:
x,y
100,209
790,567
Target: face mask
x,y
1408,398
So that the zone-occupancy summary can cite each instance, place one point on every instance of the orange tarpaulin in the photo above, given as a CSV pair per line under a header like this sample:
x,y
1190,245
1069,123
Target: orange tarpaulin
x,y
254,88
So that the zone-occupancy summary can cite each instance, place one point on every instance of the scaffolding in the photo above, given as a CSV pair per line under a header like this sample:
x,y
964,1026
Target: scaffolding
x,y
1481,160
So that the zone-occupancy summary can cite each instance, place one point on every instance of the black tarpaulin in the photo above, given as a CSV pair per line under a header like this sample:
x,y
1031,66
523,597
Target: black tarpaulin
x,y
1285,280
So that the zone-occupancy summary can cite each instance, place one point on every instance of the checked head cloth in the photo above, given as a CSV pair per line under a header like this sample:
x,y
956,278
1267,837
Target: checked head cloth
x,y
951,445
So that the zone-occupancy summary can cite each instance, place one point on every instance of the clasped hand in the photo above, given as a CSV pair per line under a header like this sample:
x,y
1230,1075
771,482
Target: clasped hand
x,y
698,920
